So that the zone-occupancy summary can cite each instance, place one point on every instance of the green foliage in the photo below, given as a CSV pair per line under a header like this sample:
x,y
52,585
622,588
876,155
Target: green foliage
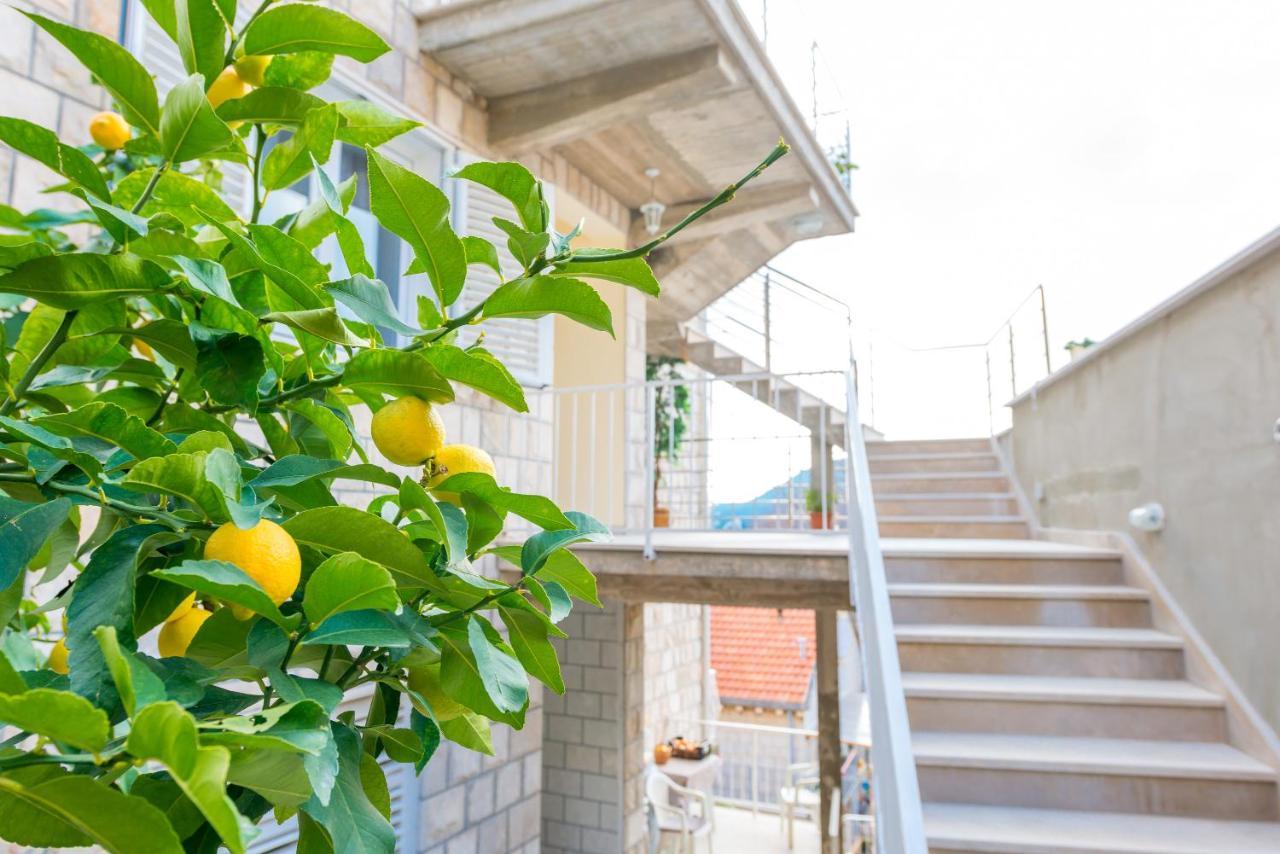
x,y
141,333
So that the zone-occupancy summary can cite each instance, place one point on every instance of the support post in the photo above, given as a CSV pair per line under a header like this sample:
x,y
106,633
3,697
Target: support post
x,y
828,728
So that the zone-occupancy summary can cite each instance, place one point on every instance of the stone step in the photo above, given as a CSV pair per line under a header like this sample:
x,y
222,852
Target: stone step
x,y
936,482
981,829
1171,710
996,569
956,504
1111,606
1041,650
933,463
884,447
955,527
1178,778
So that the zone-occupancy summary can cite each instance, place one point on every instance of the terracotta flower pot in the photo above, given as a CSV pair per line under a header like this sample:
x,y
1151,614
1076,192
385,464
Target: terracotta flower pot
x,y
815,520
661,517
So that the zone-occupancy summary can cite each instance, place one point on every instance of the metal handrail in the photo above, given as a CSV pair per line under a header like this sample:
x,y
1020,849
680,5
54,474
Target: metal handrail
x,y
899,816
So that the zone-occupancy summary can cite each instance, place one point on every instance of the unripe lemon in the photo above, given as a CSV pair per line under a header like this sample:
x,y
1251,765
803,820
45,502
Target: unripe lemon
x,y
227,87
265,552
176,635
425,679
408,431
184,607
251,68
458,459
57,660
110,130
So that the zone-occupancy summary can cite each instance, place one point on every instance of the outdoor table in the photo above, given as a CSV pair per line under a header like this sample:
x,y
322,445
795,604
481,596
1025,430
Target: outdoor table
x,y
697,774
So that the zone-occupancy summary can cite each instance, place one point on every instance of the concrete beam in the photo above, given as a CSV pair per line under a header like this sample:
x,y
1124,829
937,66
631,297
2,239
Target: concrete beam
x,y
749,207
442,26
561,112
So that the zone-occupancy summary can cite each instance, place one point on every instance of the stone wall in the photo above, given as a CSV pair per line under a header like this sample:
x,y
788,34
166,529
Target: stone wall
x,y
676,657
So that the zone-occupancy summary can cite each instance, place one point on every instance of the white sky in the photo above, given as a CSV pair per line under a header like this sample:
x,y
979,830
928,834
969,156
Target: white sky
x,y
1113,151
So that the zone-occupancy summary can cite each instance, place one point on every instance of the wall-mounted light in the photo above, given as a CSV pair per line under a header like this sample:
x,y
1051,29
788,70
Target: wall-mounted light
x,y
1149,517
653,209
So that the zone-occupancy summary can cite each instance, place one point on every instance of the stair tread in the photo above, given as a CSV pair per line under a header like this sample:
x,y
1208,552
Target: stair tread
x,y
1017,591
999,686
1120,756
932,547
938,455
1003,520
934,475
945,496
1038,636
1038,831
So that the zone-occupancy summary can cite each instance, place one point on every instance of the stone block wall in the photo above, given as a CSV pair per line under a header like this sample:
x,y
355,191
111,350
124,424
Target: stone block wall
x,y
676,657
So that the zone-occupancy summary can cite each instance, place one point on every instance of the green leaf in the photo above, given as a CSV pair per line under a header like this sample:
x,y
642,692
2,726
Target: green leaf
x,y
527,634
182,476
504,679
59,715
302,71
292,159
59,446
348,582
562,567
346,529
526,246
469,730
402,745
370,301
398,373
480,675
632,272
169,338
129,83
76,280
365,123
136,684
189,128
361,628
166,733
429,732
48,807
335,431
181,195
297,27
103,595
538,548
349,240
416,211
201,37
43,145
227,582
481,251
278,776
23,530
111,424
229,366
543,295
478,369
299,468
538,509
514,183
122,225
354,824
221,643
323,323
207,276
270,105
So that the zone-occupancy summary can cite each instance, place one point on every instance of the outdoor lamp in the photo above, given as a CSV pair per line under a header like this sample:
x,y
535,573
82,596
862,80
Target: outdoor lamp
x,y
653,209
1148,517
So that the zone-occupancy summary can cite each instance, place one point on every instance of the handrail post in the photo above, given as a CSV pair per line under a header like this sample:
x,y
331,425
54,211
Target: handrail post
x,y
768,325
1044,328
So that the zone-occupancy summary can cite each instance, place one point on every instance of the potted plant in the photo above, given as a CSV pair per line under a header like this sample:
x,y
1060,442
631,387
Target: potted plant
x,y
671,409
813,503
1078,348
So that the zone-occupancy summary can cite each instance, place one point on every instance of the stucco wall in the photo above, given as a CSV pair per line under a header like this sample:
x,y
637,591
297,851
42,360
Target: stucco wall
x,y
1180,410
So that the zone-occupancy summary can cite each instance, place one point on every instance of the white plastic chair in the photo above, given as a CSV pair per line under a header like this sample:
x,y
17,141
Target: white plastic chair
x,y
671,806
799,792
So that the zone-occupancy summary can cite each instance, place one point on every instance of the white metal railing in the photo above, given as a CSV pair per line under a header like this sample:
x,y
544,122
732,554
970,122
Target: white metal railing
x,y
899,818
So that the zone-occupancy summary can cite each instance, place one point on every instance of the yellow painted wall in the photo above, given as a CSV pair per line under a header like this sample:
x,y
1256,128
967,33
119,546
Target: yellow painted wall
x,y
591,444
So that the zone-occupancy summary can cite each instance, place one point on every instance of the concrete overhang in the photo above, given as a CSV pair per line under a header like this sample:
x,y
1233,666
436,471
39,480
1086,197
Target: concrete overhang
x,y
618,86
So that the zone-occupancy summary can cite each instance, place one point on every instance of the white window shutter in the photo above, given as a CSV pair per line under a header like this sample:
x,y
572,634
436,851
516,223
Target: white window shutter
x,y
523,345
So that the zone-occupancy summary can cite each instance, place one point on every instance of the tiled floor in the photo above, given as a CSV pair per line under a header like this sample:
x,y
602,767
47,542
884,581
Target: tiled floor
x,y
739,832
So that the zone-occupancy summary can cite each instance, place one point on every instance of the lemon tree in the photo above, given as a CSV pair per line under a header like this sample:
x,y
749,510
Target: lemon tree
x,y
185,606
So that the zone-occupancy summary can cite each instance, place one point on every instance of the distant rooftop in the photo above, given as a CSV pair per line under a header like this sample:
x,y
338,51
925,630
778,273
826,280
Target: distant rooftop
x,y
763,656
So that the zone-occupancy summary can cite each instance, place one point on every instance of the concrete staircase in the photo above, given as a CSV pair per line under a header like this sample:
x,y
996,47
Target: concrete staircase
x,y
1048,714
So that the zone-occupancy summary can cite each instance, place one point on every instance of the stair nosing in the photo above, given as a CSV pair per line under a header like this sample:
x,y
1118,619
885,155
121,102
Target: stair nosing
x,y
1050,636
946,455
934,475
946,496
1039,689
947,590
958,520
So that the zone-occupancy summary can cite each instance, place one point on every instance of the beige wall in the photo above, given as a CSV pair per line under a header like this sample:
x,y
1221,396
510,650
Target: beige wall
x,y
1180,410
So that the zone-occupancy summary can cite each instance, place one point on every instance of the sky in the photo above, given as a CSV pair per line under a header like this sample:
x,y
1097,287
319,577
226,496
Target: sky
x,y
1111,151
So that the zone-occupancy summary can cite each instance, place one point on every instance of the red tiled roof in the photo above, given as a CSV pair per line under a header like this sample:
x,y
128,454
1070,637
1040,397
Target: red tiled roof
x,y
762,655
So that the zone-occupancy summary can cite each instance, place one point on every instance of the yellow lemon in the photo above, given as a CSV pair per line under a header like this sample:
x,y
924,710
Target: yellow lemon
x,y
408,431
110,130
265,552
176,635
57,661
184,607
458,459
425,679
251,68
227,87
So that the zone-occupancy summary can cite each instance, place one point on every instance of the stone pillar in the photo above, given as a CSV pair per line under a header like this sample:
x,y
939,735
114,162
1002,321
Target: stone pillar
x,y
828,684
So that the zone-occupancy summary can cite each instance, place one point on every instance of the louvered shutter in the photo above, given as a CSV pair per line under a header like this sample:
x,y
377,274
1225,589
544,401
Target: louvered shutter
x,y
523,345
159,55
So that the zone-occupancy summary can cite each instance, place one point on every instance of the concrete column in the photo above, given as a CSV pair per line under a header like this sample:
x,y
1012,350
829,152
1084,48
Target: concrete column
x,y
822,470
828,683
